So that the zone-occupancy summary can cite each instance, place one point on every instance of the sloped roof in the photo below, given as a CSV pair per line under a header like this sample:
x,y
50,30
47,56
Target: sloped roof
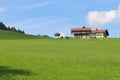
x,y
89,29
100,31
80,29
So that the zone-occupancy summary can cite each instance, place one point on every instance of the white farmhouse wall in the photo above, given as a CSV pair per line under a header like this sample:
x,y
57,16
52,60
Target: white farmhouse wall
x,y
72,35
85,36
99,35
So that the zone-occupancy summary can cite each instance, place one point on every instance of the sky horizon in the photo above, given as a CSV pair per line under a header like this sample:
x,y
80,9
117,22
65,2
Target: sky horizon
x,y
46,17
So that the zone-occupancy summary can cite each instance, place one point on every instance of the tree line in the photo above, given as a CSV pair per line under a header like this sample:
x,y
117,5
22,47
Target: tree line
x,y
13,29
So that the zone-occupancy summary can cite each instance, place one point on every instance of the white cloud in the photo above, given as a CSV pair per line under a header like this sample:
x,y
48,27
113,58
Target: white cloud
x,y
2,9
97,18
37,5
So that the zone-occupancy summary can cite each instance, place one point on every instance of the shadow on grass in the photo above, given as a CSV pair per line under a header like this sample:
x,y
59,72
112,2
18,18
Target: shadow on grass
x,y
7,71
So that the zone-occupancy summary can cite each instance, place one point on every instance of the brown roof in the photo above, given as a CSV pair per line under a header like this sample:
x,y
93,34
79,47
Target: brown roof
x,y
98,31
80,29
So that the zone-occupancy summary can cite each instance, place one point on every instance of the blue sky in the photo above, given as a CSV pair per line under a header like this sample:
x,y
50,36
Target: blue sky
x,y
50,16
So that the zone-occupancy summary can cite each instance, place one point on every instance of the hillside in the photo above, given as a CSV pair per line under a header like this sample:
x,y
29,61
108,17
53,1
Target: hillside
x,y
60,59
4,34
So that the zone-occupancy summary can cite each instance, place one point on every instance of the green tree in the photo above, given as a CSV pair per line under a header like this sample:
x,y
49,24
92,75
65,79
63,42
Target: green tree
x,y
2,26
13,29
57,34
8,28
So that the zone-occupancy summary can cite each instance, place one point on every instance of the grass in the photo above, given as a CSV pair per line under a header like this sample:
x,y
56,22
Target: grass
x,y
15,35
53,59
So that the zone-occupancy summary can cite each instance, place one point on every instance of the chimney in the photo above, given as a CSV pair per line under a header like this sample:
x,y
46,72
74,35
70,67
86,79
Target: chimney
x,y
96,29
83,27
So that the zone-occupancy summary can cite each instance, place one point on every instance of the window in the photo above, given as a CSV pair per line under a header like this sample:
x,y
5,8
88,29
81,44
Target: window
x,y
97,34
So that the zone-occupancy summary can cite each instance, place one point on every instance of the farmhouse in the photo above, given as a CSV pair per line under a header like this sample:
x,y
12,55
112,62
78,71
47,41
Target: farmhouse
x,y
100,33
88,33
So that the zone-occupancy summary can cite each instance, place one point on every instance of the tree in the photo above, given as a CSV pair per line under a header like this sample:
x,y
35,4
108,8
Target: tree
x,y
45,36
20,31
57,34
2,26
8,28
13,29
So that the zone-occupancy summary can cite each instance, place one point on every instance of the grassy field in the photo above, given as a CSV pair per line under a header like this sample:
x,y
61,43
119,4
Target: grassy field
x,y
15,35
53,59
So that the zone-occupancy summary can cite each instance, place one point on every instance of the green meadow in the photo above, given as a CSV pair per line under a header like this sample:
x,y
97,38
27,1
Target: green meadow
x,y
59,59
